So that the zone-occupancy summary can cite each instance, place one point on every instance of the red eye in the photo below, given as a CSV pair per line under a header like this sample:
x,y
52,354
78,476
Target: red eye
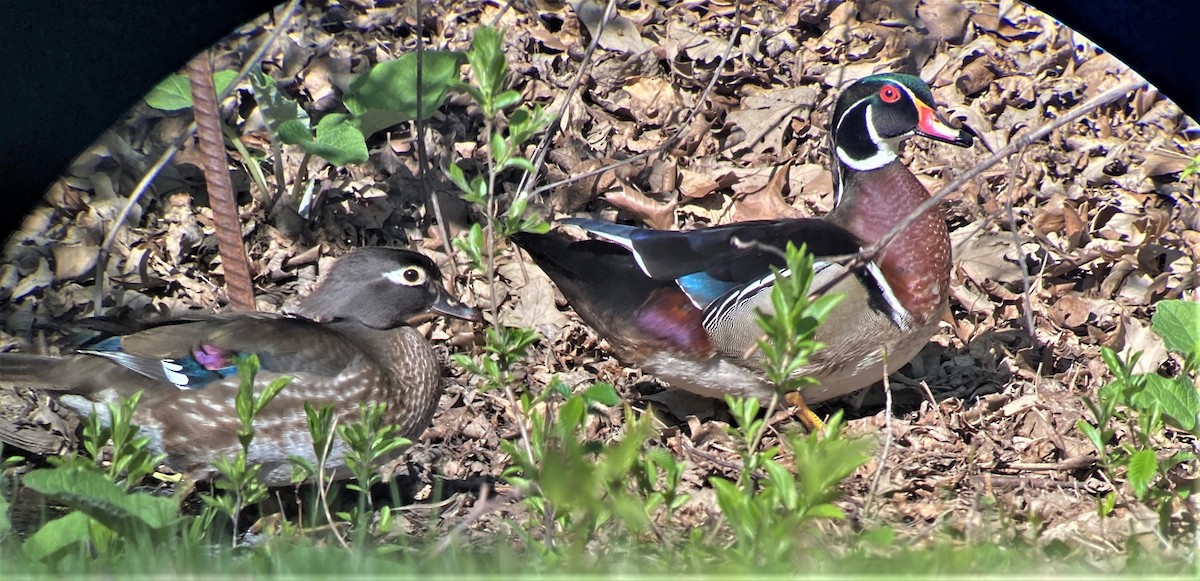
x,y
889,94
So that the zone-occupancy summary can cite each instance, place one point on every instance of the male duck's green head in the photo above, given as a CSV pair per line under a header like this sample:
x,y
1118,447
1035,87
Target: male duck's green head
x,y
876,113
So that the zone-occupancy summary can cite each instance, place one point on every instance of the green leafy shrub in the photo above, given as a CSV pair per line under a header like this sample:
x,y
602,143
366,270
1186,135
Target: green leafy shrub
x,y
1142,405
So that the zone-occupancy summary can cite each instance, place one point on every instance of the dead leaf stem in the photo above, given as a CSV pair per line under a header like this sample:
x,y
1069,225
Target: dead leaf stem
x,y
889,435
1026,305
422,154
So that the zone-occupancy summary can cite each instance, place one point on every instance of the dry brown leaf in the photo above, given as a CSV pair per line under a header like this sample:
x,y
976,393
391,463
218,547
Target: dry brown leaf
x,y
693,184
533,305
766,203
945,19
34,281
981,258
657,215
975,77
1139,338
619,34
1071,312
764,113
1160,162
681,39
653,100
75,260
813,183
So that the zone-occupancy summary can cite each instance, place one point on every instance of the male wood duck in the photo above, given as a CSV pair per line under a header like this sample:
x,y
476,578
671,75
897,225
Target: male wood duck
x,y
349,343
681,305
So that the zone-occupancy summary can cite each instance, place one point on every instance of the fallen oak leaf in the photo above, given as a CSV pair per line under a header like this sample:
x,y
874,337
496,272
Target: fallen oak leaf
x,y
658,215
766,203
619,33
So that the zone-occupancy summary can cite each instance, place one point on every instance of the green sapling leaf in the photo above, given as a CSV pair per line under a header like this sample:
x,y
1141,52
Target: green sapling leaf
x,y
1178,323
174,93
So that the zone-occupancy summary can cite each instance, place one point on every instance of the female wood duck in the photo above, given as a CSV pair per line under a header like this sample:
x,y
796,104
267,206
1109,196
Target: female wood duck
x,y
681,304
348,344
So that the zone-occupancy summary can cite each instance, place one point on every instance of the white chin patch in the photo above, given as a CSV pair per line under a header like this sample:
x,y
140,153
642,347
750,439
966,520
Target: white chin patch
x,y
884,155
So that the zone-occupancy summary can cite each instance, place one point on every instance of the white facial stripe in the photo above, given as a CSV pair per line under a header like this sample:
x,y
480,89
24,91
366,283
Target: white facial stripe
x,y
887,147
884,155
911,96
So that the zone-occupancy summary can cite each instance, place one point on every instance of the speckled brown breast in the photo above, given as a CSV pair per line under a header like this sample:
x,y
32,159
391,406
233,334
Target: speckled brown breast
x,y
917,262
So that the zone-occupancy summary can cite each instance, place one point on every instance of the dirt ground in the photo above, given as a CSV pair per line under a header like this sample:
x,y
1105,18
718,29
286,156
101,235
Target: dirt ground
x,y
981,437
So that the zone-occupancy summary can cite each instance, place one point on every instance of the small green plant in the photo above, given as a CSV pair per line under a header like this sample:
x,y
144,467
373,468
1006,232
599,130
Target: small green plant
x,y
1141,406
174,93
789,331
7,488
322,430
768,504
238,477
103,513
578,486
491,94
1193,168
502,347
369,441
129,456
381,97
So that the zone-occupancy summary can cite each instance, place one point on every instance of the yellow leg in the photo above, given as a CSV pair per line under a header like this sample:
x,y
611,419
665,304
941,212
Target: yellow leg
x,y
806,415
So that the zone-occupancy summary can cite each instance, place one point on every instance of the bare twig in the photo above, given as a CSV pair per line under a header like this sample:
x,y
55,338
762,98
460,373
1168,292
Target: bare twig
x,y
539,155
692,450
1068,465
933,403
422,155
483,506
1014,146
323,487
1007,481
1027,319
888,434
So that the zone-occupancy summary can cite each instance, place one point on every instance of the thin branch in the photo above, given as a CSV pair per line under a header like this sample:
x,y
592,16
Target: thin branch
x,y
483,506
539,155
323,488
1016,145
887,428
1027,317
422,155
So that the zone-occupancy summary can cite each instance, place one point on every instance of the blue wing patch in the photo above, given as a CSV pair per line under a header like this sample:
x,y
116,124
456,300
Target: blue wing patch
x,y
206,364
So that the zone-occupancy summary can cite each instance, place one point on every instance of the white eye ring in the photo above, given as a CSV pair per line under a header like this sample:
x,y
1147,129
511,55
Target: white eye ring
x,y
407,276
